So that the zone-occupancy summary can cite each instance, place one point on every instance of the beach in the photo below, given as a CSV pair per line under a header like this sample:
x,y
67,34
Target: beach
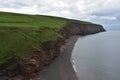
x,y
61,68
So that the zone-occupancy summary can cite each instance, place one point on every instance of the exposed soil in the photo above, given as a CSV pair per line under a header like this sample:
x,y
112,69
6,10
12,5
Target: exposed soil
x,y
36,61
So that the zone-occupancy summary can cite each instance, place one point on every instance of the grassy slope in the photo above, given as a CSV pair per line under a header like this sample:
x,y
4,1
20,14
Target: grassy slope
x,y
19,33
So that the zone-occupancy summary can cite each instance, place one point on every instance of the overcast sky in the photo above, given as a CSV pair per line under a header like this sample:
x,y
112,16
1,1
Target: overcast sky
x,y
106,12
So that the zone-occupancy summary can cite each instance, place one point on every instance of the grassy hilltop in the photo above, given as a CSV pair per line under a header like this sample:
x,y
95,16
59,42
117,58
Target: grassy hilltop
x,y
20,33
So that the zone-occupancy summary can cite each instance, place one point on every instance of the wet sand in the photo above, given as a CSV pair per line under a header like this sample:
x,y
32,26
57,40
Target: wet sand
x,y
61,68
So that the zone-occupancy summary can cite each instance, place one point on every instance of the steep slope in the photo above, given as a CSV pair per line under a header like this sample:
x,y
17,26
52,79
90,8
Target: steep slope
x,y
30,42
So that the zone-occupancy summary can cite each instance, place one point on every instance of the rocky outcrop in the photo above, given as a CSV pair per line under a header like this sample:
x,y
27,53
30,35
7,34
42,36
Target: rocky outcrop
x,y
72,29
37,60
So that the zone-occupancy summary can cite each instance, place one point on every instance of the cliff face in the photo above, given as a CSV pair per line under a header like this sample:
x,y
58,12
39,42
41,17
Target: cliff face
x,y
72,29
52,49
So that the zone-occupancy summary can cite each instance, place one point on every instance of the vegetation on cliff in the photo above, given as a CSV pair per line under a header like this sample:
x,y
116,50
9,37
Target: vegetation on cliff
x,y
22,37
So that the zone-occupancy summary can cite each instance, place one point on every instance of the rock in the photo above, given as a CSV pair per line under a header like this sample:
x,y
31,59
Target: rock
x,y
12,73
4,78
1,73
18,77
32,64
74,28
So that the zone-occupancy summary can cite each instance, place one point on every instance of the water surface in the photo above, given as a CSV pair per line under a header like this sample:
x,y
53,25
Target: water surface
x,y
97,57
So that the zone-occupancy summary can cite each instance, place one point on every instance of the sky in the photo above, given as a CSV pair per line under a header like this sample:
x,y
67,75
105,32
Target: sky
x,y
105,12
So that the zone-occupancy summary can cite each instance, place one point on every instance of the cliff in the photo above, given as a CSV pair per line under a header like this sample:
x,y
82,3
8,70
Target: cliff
x,y
28,43
73,28
37,60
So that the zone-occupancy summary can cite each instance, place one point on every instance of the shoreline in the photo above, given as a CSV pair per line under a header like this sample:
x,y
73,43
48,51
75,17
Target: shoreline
x,y
61,68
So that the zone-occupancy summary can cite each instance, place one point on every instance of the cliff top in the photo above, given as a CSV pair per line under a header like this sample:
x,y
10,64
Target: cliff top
x,y
33,21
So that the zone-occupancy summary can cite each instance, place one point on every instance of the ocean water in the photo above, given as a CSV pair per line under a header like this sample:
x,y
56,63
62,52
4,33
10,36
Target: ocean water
x,y
97,57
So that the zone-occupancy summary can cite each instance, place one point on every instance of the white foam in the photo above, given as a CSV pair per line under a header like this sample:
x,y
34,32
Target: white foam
x,y
74,68
73,64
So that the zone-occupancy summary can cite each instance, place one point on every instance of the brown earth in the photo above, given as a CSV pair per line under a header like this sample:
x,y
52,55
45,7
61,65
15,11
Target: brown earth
x,y
72,29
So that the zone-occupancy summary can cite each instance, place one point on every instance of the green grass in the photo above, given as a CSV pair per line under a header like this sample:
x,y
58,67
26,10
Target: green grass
x,y
14,42
19,33
34,21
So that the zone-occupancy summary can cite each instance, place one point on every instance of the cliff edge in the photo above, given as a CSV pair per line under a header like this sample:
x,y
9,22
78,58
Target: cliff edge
x,y
74,28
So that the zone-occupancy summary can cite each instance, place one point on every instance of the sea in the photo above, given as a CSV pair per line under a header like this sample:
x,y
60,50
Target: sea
x,y
97,57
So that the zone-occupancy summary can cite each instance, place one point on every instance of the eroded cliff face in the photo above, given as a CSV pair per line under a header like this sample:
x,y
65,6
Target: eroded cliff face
x,y
72,29
52,49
